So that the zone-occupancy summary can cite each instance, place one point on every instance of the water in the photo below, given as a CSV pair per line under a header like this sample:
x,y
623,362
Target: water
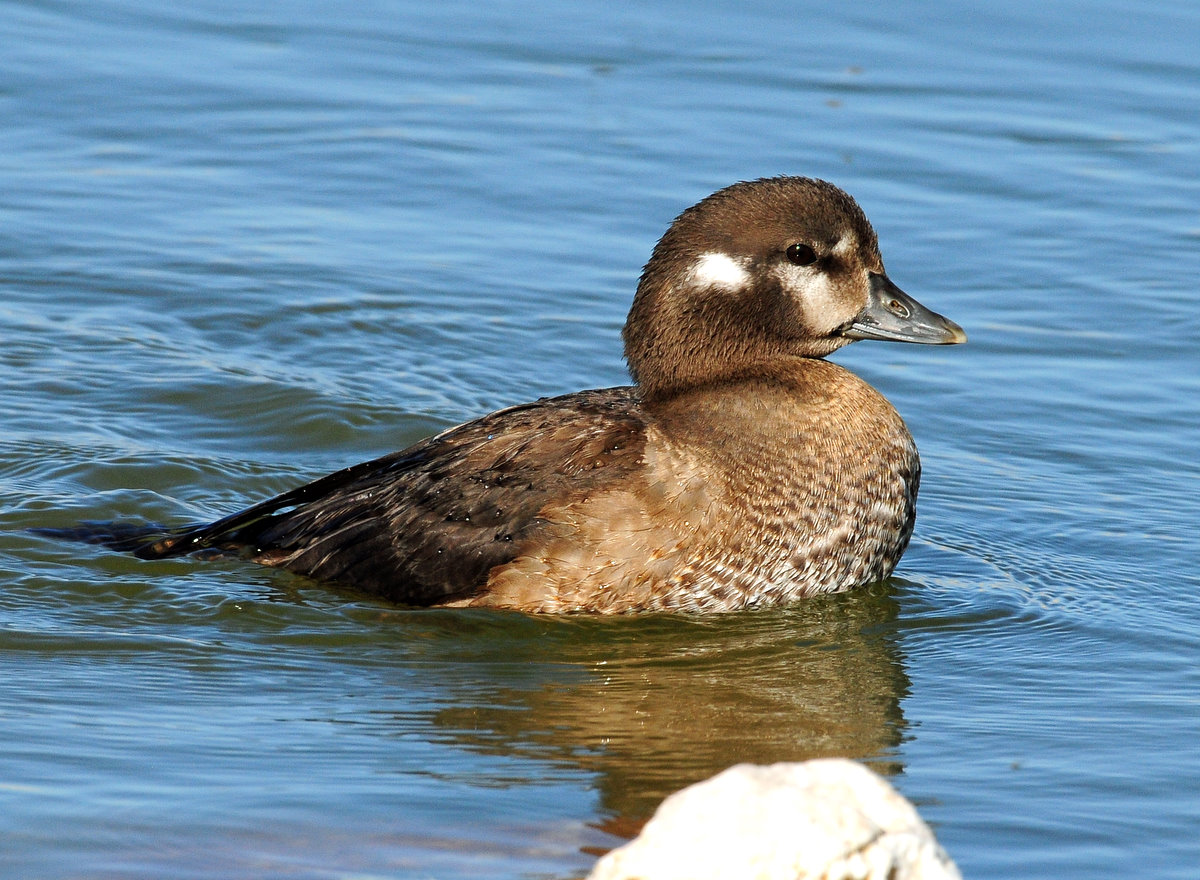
x,y
241,246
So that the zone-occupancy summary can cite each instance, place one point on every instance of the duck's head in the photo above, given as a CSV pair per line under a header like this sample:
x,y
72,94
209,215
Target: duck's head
x,y
779,267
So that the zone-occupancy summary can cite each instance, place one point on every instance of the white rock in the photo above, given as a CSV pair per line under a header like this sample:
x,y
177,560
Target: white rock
x,y
829,819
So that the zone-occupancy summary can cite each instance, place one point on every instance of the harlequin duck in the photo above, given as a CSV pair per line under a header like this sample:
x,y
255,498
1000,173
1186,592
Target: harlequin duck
x,y
741,469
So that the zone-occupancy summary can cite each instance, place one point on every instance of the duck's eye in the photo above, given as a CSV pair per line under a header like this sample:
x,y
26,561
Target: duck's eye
x,y
801,255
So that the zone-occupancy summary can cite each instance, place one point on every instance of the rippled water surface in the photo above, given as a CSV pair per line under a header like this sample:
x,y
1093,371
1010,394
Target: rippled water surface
x,y
242,245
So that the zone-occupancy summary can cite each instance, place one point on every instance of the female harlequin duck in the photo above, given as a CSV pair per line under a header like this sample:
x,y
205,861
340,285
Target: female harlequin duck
x,y
740,470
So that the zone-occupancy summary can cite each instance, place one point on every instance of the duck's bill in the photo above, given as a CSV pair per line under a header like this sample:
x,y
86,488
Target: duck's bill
x,y
893,315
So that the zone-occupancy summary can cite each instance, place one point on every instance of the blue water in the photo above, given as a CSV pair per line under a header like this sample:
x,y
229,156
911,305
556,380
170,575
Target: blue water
x,y
242,245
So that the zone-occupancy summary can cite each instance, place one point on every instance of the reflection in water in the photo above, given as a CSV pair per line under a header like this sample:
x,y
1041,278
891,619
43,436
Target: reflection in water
x,y
651,704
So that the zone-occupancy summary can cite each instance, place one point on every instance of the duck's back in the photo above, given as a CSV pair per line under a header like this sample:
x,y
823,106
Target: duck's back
x,y
426,525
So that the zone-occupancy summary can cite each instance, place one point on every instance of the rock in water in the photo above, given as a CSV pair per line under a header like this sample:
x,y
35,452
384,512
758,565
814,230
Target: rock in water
x,y
830,819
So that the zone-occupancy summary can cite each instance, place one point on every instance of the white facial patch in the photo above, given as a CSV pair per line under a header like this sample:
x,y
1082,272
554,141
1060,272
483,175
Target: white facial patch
x,y
846,247
814,291
821,305
719,270
825,304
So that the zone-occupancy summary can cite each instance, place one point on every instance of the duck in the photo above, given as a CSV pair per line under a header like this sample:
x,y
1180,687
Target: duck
x,y
740,469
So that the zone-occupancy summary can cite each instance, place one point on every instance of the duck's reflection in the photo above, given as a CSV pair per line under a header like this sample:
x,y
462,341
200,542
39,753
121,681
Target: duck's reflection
x,y
652,704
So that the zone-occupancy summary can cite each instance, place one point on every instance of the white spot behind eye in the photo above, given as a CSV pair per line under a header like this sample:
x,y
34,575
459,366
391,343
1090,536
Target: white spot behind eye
x,y
719,270
846,246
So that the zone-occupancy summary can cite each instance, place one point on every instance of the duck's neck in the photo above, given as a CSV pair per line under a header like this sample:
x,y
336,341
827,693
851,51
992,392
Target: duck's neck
x,y
675,380
673,344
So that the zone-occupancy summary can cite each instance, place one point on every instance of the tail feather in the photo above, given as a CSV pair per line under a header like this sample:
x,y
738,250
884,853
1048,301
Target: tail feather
x,y
235,533
240,532
140,539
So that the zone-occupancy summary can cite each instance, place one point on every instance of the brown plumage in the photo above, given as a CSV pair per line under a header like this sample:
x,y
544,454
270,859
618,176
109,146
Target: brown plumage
x,y
740,470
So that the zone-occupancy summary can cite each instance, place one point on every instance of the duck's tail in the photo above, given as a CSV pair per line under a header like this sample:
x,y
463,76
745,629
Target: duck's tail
x,y
252,532
143,540
236,534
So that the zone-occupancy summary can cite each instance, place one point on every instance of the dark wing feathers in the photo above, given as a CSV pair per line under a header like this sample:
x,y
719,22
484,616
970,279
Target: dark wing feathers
x,y
427,524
